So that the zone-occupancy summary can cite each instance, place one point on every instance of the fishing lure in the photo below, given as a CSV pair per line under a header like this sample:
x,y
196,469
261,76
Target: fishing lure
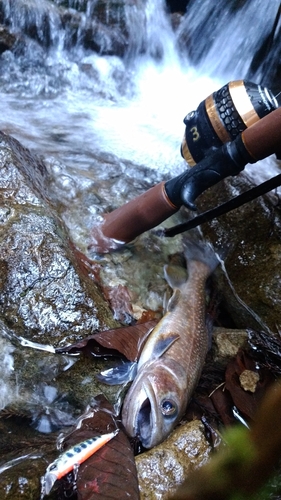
x,y
76,455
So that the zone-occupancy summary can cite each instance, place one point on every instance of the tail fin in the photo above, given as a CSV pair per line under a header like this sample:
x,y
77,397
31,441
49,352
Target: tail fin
x,y
201,251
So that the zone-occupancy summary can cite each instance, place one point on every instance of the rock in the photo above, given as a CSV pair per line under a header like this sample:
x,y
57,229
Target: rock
x,y
251,239
43,295
163,468
177,5
24,455
228,342
38,21
108,28
7,39
248,380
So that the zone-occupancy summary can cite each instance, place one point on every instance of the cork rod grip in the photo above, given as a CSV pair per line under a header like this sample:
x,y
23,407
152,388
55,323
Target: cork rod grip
x,y
264,137
138,215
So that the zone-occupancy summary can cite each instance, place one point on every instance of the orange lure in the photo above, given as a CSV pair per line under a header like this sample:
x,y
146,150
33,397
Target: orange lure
x,y
74,456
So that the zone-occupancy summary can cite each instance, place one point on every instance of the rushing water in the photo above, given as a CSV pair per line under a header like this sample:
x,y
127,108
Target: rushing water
x,y
77,107
82,110
73,104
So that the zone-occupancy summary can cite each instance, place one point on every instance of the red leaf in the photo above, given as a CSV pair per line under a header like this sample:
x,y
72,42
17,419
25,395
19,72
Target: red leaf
x,y
120,301
223,404
247,402
127,341
111,471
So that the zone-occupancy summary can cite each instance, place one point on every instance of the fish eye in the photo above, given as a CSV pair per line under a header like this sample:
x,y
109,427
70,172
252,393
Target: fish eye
x,y
168,408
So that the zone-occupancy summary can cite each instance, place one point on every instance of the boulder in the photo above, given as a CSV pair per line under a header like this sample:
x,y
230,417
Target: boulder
x,y
249,239
44,295
7,39
163,468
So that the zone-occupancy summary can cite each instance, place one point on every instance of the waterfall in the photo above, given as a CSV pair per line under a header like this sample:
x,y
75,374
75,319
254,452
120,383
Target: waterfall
x,y
38,19
215,38
222,40
89,77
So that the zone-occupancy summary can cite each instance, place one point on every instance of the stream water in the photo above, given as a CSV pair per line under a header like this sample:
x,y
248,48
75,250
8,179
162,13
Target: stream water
x,y
82,110
75,107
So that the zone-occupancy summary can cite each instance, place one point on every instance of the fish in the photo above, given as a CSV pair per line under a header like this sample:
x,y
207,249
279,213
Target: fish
x,y
75,455
173,356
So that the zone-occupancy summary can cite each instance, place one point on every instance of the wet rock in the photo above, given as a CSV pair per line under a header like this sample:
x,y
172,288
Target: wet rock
x,y
163,468
22,480
94,31
250,238
32,19
248,380
7,39
42,296
108,27
176,19
23,460
227,342
105,27
177,5
41,395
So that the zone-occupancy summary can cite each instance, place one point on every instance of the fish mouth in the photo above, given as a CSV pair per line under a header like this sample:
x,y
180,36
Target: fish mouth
x,y
148,424
144,425
142,415
139,413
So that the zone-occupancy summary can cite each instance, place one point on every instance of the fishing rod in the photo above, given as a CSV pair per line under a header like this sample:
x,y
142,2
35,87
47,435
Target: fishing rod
x,y
236,125
224,208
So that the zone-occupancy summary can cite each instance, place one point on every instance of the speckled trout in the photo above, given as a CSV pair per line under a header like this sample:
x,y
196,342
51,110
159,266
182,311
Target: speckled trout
x,y
172,359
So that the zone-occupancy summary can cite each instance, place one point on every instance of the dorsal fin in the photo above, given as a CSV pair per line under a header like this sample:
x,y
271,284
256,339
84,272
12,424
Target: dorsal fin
x,y
175,276
174,300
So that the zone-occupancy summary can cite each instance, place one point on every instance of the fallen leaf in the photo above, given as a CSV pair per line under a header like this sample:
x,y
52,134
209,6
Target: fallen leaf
x,y
111,471
266,350
120,301
126,341
87,267
247,402
223,404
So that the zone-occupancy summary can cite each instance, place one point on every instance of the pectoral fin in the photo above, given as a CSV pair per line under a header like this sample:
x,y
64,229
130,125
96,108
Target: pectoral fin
x,y
174,300
175,276
120,374
163,344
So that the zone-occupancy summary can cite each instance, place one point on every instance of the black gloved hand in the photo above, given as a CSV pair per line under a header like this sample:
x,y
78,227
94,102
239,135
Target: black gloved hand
x,y
229,159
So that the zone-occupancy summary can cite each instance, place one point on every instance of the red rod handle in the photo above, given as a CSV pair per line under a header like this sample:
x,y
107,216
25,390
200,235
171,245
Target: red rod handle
x,y
152,207
134,218
264,137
